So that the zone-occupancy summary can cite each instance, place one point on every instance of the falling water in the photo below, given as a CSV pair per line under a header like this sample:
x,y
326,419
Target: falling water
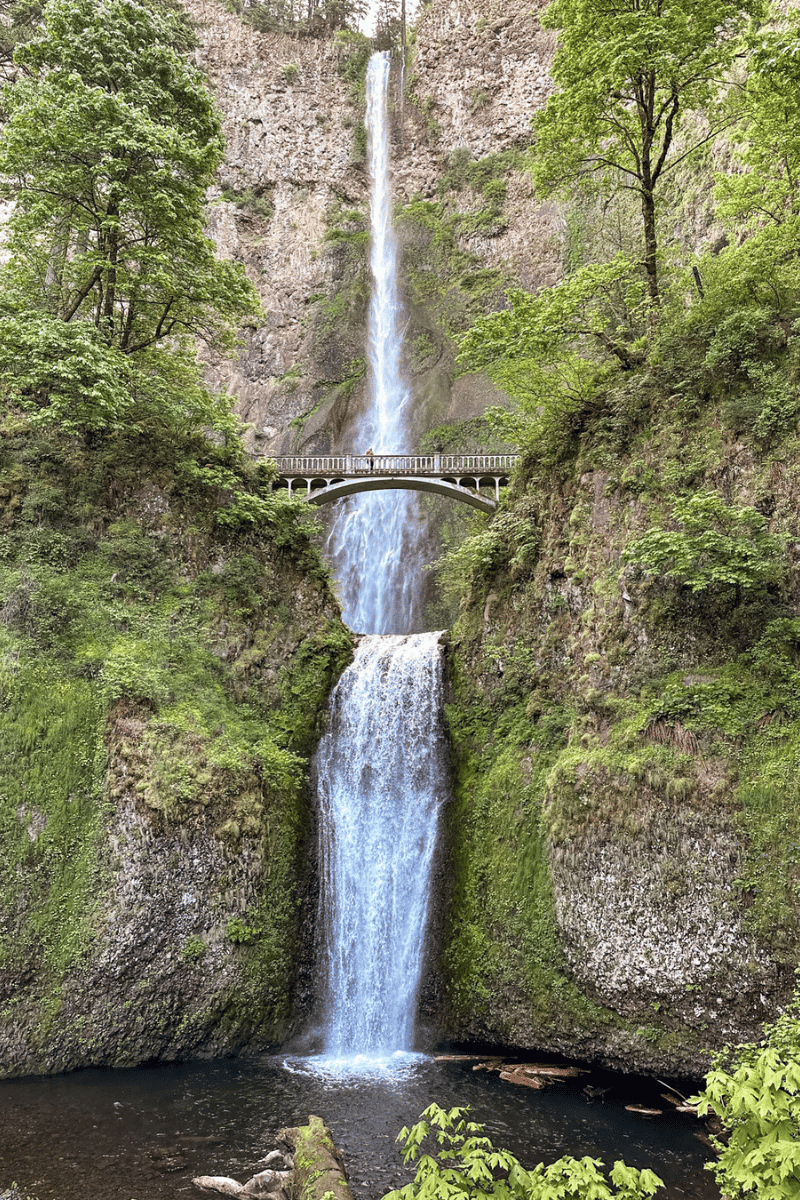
x,y
380,768
374,540
381,781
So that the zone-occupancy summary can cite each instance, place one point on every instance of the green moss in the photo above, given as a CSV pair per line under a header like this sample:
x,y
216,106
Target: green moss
x,y
51,820
444,279
504,968
222,647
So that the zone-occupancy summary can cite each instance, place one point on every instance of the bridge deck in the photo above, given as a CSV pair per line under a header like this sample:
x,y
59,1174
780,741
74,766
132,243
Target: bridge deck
x,y
325,466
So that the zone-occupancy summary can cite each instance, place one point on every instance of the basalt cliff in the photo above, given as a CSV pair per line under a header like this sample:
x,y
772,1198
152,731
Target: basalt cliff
x,y
619,880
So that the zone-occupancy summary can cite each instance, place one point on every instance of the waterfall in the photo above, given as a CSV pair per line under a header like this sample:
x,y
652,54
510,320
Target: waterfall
x,y
380,769
381,780
375,537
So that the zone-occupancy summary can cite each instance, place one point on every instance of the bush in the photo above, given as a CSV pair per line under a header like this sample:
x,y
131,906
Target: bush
x,y
718,548
466,1166
757,1098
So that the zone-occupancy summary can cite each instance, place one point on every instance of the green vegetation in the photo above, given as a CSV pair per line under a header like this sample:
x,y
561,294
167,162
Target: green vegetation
x,y
718,547
464,1163
109,146
353,52
298,17
627,81
754,1090
442,278
249,203
168,636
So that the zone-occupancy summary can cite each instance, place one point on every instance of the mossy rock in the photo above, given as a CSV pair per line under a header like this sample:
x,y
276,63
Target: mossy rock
x,y
318,1167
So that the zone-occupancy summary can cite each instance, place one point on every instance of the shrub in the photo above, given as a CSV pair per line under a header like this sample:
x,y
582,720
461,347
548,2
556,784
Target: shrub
x,y
717,548
757,1098
467,1166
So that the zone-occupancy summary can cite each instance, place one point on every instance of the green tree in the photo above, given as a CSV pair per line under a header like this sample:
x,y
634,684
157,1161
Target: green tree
x,y
307,16
111,142
556,351
628,73
757,1098
466,1166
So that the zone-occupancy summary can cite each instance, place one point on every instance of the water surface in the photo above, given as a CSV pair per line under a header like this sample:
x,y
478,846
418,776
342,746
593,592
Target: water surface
x,y
142,1134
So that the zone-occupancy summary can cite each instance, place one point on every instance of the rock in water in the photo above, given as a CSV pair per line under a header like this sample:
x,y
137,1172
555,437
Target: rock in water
x,y
269,1183
219,1183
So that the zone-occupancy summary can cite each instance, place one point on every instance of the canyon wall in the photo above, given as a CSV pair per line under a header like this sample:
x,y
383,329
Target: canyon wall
x,y
293,204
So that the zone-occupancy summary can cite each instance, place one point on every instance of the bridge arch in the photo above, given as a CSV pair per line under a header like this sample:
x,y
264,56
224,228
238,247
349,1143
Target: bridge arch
x,y
338,489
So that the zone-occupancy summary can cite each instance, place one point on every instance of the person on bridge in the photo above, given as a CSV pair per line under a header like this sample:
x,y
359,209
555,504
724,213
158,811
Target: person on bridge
x,y
371,456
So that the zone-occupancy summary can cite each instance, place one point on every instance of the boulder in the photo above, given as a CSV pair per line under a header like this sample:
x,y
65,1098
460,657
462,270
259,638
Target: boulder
x,y
219,1183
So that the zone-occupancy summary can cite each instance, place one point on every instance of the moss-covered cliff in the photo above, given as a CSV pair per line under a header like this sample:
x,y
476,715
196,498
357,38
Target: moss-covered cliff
x,y
625,832
162,672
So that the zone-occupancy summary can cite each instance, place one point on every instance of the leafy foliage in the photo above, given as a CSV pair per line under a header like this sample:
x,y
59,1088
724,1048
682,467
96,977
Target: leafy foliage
x,y
717,547
757,1098
767,137
110,144
628,73
300,16
466,1165
554,352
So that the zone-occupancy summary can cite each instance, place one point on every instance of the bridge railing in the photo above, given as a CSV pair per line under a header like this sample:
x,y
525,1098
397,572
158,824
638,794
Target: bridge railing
x,y
395,464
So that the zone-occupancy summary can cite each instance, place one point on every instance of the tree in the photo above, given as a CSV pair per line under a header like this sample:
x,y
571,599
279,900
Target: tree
x,y
555,353
467,1166
303,16
757,1098
390,23
110,145
628,72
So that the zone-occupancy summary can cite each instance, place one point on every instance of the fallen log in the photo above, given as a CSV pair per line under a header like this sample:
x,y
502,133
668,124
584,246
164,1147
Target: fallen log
x,y
530,1081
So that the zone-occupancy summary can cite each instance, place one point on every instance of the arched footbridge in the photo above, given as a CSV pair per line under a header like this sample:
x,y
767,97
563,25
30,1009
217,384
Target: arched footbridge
x,y
464,477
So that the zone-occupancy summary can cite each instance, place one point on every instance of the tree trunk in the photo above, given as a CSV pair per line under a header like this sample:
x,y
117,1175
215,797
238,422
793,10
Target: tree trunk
x,y
650,247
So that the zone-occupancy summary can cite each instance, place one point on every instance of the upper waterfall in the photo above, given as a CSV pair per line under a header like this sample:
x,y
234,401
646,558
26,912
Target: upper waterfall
x,y
374,540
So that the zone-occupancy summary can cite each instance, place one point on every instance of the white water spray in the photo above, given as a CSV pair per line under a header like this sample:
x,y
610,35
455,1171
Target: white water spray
x,y
381,779
374,540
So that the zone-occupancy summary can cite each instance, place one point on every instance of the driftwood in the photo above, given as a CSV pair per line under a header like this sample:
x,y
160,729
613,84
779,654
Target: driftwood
x,y
530,1081
536,1075
679,1103
548,1071
456,1057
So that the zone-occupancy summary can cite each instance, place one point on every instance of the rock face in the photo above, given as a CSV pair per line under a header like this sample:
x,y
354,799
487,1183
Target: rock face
x,y
152,860
284,106
295,164
620,888
657,920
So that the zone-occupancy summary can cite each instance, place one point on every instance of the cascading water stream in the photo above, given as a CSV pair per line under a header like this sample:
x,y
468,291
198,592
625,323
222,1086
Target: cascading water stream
x,y
374,540
380,768
381,779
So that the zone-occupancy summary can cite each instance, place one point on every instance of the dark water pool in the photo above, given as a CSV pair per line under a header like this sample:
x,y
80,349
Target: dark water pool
x,y
142,1134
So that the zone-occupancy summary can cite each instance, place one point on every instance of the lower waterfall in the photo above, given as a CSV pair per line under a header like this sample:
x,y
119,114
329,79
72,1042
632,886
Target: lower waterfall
x,y
381,781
